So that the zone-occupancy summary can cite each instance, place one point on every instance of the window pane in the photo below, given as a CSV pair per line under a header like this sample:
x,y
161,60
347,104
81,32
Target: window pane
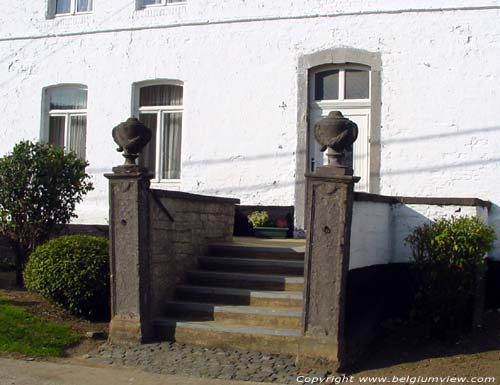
x,y
148,155
68,98
327,85
172,125
78,135
56,130
151,2
161,95
357,84
84,5
63,6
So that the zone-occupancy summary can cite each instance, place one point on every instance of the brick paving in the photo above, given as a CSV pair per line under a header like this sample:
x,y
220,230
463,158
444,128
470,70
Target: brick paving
x,y
185,360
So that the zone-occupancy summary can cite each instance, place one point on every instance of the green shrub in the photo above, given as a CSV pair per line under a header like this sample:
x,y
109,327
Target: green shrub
x,y
40,186
448,257
72,271
259,219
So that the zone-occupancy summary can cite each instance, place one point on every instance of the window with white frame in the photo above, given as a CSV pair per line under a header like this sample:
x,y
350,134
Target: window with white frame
x,y
160,109
71,7
67,117
155,3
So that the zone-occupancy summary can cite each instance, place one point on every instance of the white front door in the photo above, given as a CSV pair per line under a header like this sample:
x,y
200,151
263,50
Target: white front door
x,y
353,104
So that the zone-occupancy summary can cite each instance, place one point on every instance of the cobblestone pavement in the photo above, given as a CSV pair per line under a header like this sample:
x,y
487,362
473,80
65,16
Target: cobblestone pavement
x,y
185,360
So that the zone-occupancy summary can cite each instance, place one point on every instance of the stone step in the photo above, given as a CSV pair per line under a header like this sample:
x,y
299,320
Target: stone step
x,y
257,252
236,315
246,281
251,265
230,296
214,334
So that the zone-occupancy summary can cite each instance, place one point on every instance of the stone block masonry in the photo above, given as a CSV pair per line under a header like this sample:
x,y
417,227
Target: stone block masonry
x,y
155,236
182,225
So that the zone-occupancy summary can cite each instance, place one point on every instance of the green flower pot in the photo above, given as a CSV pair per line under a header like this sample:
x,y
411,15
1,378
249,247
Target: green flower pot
x,y
271,232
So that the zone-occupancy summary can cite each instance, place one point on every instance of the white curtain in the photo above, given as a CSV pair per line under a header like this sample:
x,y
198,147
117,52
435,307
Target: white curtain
x,y
84,6
172,145
78,135
63,6
148,155
161,95
68,98
56,130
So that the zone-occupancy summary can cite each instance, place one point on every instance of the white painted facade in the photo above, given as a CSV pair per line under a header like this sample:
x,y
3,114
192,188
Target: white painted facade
x,y
238,63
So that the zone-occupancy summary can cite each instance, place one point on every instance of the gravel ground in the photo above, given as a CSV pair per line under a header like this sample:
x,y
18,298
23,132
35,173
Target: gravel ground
x,y
178,359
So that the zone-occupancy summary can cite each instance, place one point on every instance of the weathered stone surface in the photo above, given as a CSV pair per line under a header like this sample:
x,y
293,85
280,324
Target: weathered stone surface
x,y
198,220
129,257
326,265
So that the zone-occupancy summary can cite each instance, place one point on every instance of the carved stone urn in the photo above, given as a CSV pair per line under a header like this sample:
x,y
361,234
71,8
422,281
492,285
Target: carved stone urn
x,y
337,134
131,136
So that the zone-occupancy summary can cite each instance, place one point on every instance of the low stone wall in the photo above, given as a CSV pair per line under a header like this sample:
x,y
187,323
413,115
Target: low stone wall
x,y
182,226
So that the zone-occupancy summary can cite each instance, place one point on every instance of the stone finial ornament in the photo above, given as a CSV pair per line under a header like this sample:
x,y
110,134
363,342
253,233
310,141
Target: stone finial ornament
x,y
131,136
336,133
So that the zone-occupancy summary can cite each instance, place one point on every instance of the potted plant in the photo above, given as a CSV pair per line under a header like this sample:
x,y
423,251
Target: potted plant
x,y
264,227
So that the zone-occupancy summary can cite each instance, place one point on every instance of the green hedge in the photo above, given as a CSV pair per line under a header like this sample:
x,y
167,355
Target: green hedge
x,y
72,271
448,256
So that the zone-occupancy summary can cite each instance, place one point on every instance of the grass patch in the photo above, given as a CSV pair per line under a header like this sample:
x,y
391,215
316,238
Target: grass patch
x,y
21,332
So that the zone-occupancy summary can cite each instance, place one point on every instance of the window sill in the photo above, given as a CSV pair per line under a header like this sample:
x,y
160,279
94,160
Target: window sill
x,y
71,16
160,6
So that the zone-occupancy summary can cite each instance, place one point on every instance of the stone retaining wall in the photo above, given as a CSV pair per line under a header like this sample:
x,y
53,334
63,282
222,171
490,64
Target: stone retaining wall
x,y
182,226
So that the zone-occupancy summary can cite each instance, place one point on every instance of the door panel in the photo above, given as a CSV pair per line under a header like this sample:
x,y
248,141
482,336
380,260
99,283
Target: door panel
x,y
361,156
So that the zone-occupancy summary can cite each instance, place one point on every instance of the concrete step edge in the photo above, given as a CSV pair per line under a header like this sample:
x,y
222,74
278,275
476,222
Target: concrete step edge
x,y
213,326
202,306
252,261
241,292
248,276
259,249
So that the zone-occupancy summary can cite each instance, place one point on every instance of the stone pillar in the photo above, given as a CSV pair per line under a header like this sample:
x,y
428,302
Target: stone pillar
x,y
129,239
330,197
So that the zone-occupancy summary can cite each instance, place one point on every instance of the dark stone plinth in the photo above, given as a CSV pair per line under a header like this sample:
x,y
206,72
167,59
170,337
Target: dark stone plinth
x,y
129,255
326,266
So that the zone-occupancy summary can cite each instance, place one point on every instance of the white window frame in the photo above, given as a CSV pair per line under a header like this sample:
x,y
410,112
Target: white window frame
x,y
67,114
160,112
163,3
73,9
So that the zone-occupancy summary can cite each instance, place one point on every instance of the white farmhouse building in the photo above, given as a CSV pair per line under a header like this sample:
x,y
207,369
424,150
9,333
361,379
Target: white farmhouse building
x,y
232,88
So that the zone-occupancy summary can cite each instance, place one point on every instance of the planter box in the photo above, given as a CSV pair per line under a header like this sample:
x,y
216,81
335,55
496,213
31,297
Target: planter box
x,y
271,232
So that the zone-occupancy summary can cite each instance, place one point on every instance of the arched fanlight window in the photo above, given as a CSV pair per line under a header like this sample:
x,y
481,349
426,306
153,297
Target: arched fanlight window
x,y
342,84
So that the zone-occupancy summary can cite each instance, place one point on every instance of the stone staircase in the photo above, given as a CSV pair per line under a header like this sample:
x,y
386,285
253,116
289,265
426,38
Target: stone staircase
x,y
242,296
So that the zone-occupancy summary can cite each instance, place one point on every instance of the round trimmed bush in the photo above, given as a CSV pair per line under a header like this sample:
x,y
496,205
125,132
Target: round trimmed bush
x,y
72,271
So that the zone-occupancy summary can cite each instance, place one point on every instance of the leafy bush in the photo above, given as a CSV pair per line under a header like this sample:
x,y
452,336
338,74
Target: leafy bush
x,y
259,219
40,186
448,257
72,271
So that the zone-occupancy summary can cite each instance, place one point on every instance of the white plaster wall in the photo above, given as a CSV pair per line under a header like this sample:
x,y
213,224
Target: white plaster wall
x,y
440,131
371,233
